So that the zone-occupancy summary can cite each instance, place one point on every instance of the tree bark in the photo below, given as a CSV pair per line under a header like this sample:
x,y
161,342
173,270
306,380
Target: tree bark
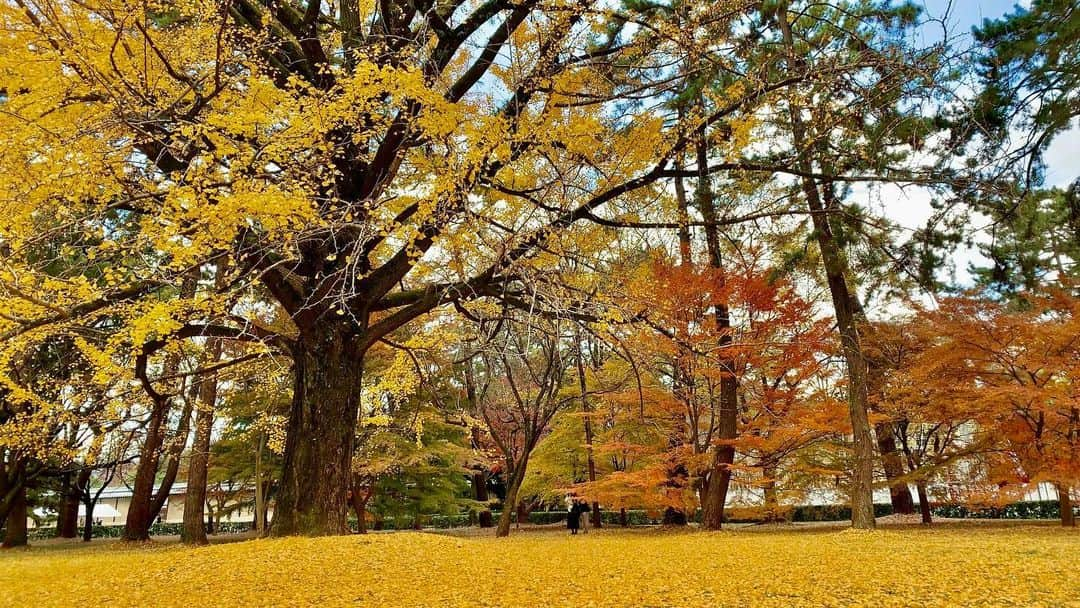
x,y
172,463
260,499
67,516
140,515
317,473
194,530
480,494
90,499
719,479
924,503
88,524
15,534
835,266
1068,518
511,502
862,474
891,461
141,511
7,492
586,410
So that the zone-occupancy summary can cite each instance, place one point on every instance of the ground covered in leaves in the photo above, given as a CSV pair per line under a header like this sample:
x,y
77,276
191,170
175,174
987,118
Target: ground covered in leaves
x,y
955,566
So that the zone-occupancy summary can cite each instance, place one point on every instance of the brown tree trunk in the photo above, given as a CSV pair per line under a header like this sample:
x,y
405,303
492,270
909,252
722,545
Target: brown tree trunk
x,y
7,492
67,516
624,521
194,530
317,473
1068,518
892,462
359,496
586,410
835,266
16,533
140,515
511,503
719,479
88,523
480,494
260,498
924,503
141,511
172,463
862,474
682,382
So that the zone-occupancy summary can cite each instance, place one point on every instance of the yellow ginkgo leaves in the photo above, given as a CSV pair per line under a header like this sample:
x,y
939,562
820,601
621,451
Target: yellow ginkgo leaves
x,y
969,566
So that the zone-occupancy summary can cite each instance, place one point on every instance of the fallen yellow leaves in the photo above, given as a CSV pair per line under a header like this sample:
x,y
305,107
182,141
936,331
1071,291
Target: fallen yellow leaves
x,y
1017,566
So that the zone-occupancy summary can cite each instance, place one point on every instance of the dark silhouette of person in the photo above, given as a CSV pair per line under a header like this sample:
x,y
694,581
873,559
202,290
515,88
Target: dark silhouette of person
x,y
573,517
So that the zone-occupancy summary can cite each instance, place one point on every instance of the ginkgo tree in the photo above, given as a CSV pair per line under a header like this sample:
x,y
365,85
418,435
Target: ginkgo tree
x,y
356,165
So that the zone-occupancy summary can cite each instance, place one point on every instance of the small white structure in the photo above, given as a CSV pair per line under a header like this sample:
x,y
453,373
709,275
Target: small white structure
x,y
112,506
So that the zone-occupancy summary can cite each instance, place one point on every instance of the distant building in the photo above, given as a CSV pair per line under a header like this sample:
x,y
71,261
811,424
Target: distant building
x,y
112,506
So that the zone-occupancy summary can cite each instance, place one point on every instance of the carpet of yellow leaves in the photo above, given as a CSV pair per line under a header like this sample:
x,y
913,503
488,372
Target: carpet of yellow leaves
x,y
1019,566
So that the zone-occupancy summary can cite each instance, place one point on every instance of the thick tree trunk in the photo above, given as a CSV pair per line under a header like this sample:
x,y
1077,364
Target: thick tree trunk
x,y
88,524
892,462
317,473
194,530
624,521
924,503
67,516
15,534
480,494
511,503
140,515
1068,518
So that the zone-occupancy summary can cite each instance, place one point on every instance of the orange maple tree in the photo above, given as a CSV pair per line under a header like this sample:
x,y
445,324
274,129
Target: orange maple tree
x,y
1013,376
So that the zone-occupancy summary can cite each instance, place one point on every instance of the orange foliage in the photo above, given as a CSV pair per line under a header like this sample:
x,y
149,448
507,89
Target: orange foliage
x,y
661,436
1012,377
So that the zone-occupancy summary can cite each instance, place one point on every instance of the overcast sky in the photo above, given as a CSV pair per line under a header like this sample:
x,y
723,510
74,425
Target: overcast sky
x,y
962,15
911,207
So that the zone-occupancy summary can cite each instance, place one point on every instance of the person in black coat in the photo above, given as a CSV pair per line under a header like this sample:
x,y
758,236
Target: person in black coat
x,y
573,517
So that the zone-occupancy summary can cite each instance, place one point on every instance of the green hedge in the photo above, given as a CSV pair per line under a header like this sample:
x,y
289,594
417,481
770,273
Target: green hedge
x,y
832,512
638,517
164,529
1044,509
441,522
1031,509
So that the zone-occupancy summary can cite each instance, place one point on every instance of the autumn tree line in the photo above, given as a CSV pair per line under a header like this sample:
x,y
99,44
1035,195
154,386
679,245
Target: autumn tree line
x,y
410,257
